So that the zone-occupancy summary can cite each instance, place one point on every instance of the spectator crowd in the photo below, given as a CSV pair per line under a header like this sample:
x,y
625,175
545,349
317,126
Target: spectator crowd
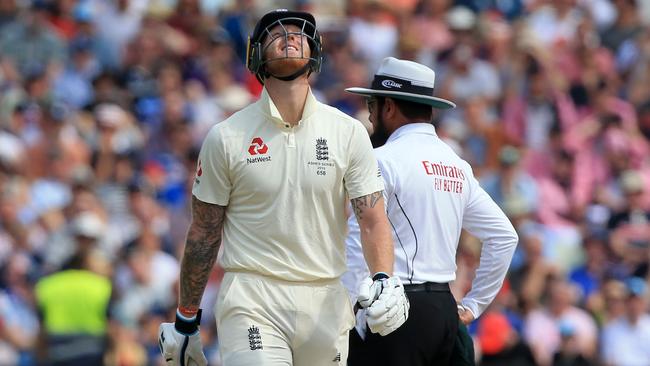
x,y
104,105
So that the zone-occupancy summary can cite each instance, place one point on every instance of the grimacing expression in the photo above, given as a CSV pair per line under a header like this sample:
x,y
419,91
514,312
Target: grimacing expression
x,y
285,55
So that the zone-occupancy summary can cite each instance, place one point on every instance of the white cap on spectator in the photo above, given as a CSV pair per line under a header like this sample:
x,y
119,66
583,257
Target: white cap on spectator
x,y
234,99
110,115
515,205
89,225
82,175
11,149
461,18
632,181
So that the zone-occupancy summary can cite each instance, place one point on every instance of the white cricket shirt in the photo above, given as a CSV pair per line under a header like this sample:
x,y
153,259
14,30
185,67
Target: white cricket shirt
x,y
286,187
431,194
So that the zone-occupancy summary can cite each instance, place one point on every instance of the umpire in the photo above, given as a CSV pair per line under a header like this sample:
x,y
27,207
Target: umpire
x,y
430,194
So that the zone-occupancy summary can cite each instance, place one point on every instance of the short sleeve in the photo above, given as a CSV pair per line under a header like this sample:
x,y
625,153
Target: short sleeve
x,y
212,179
362,176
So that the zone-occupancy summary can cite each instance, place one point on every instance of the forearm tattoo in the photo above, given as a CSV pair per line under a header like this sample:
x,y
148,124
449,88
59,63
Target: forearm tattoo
x,y
360,204
201,248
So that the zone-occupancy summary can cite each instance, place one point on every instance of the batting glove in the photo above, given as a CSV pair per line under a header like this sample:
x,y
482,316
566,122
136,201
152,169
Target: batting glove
x,y
370,289
180,342
391,309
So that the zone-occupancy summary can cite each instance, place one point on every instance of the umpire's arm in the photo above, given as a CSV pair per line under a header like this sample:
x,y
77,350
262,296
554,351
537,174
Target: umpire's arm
x,y
376,239
484,219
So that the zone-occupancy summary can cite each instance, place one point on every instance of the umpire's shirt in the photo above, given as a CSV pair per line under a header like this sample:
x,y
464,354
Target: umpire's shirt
x,y
431,194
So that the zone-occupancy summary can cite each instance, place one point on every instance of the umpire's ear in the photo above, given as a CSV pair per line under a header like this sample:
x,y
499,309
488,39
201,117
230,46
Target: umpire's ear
x,y
390,108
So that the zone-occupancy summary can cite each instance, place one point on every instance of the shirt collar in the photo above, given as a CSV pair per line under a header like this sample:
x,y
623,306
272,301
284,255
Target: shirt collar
x,y
269,108
411,128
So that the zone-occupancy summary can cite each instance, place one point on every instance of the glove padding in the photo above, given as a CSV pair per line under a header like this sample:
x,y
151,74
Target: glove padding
x,y
370,289
179,348
391,308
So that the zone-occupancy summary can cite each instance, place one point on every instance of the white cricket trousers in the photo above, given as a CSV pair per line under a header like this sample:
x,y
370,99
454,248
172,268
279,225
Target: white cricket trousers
x,y
263,321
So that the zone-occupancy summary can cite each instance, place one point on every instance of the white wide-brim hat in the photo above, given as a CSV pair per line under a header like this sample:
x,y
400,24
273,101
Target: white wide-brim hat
x,y
406,80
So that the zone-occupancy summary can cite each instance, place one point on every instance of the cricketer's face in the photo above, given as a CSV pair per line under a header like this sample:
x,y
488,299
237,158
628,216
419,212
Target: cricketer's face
x,y
286,49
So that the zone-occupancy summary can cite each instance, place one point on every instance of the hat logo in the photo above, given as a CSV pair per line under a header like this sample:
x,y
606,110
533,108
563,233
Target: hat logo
x,y
390,84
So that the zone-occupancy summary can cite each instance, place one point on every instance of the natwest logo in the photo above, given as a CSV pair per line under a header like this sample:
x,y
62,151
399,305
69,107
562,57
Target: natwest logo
x,y
258,147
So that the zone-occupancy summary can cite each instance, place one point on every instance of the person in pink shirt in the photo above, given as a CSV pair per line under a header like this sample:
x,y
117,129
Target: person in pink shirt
x,y
557,206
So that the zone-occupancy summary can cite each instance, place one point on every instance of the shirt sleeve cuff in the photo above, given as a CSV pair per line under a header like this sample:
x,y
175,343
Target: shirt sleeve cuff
x,y
470,306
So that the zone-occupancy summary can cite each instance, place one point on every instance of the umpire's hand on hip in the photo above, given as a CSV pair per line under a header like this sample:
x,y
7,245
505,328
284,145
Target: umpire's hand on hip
x,y
180,342
387,304
465,314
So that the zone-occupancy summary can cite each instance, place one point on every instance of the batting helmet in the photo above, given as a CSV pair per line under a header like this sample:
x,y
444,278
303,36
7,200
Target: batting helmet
x,y
255,52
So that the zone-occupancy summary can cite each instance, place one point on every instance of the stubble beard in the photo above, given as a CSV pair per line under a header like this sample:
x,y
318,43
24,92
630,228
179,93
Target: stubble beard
x,y
281,64
285,66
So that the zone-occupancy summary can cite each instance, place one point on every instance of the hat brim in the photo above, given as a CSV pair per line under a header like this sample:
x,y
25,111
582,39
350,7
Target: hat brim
x,y
435,102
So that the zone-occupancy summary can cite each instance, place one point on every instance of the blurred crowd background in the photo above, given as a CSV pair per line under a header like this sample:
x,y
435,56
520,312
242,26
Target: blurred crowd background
x,y
104,105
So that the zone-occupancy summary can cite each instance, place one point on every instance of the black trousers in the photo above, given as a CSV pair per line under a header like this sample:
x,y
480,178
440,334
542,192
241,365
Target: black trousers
x,y
426,339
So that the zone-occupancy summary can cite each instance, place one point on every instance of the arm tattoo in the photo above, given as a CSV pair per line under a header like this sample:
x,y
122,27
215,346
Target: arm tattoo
x,y
201,248
359,204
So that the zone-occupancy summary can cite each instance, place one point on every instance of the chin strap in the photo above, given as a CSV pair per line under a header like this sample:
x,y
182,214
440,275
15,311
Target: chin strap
x,y
293,76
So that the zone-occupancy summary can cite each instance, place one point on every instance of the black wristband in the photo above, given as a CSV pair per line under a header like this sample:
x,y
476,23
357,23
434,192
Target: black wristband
x,y
188,327
380,276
